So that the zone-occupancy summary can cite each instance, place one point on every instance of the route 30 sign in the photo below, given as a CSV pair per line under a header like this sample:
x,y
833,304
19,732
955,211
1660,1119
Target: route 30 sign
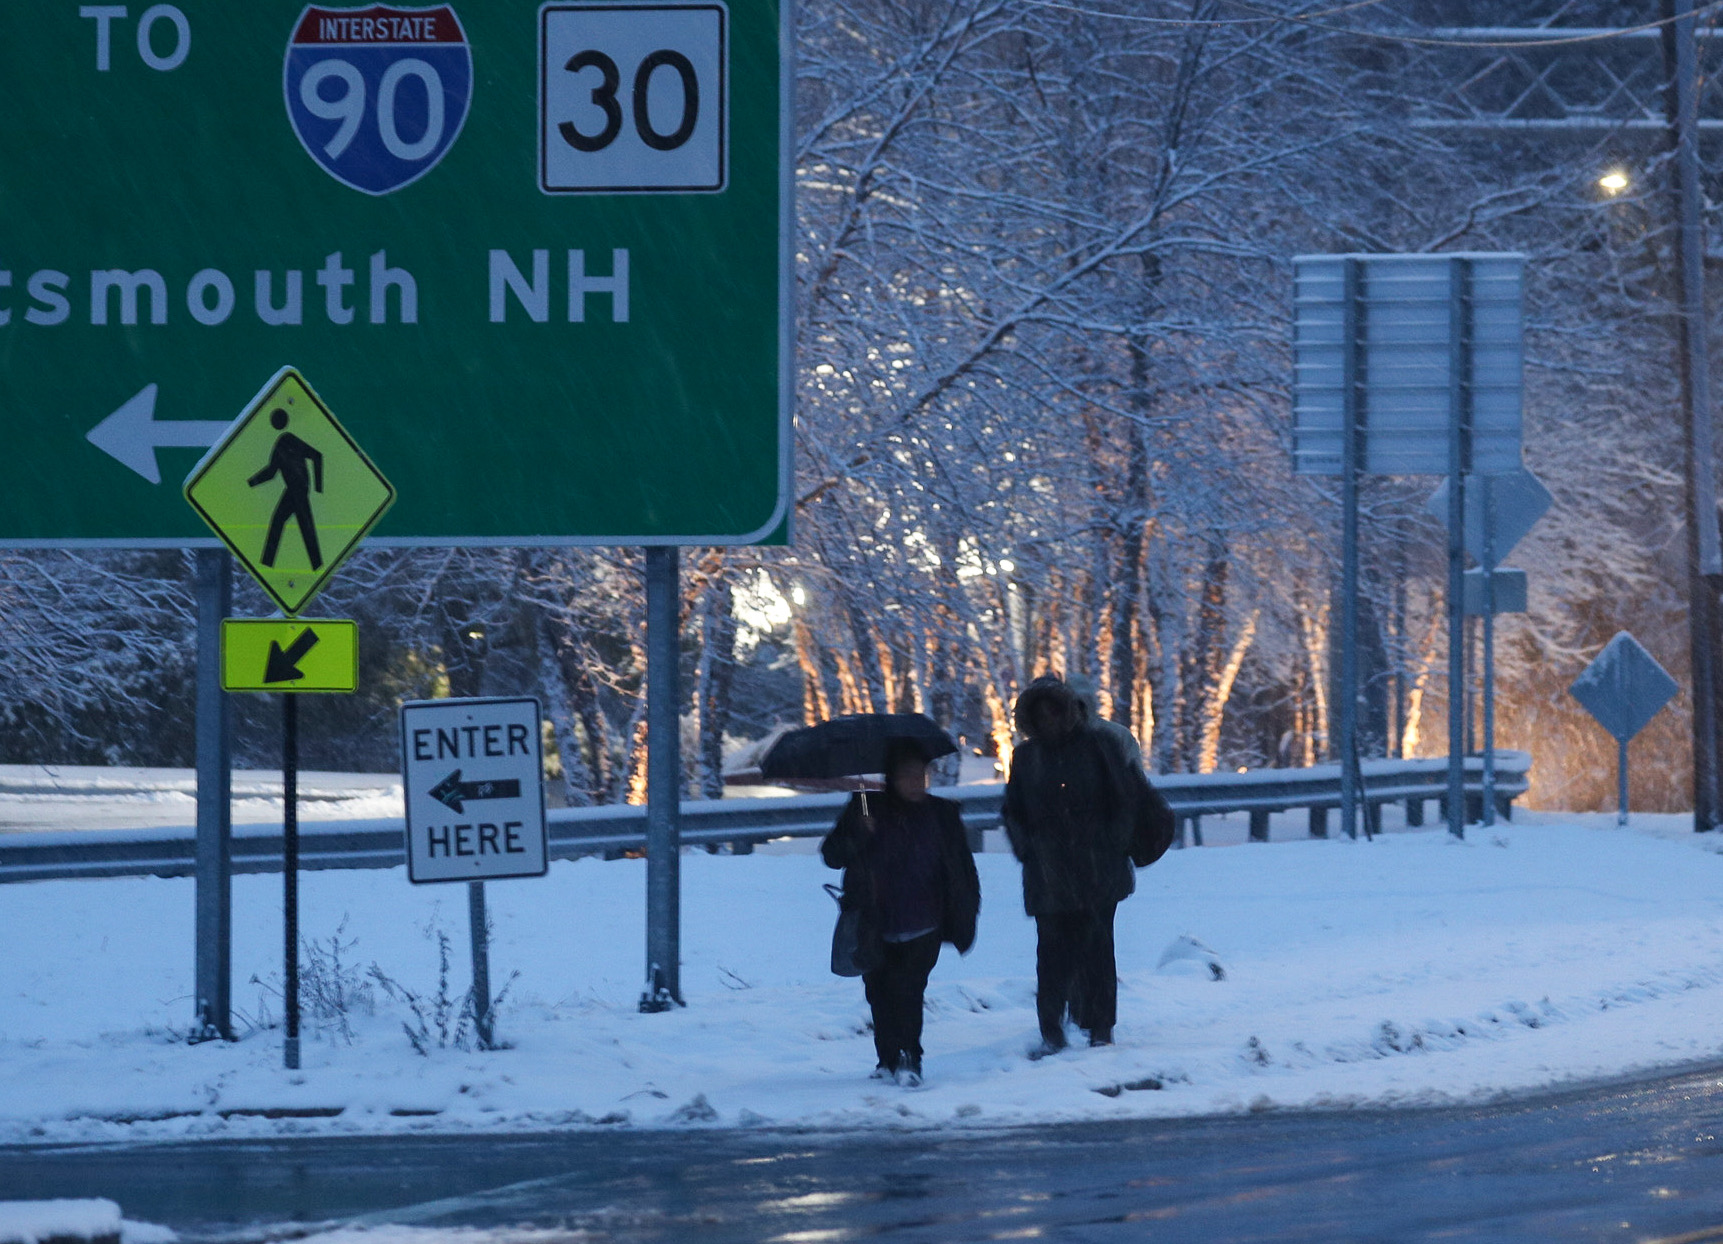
x,y
633,97
377,96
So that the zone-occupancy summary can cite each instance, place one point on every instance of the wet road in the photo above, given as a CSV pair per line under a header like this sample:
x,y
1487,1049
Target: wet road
x,y
1634,1162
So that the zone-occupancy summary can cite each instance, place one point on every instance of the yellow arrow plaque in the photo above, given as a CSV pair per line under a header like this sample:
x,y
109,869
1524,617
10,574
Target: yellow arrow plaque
x,y
289,654
289,491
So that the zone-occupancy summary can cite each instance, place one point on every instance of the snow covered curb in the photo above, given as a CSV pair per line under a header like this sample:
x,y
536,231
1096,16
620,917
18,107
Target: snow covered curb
x,y
1410,970
92,1221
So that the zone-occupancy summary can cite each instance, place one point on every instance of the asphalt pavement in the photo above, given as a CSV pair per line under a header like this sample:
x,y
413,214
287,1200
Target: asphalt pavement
x,y
1629,1161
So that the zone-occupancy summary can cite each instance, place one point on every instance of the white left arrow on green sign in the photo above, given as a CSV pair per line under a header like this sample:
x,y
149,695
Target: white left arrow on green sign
x,y
132,434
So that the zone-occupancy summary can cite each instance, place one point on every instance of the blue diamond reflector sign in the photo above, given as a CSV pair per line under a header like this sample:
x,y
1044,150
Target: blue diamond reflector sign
x,y
378,95
1624,688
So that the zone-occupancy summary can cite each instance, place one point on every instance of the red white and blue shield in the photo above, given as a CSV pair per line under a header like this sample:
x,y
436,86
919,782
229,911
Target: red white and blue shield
x,y
378,95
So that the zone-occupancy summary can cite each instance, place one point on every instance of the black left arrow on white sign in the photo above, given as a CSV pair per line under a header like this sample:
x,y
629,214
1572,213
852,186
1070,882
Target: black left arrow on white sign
x,y
454,793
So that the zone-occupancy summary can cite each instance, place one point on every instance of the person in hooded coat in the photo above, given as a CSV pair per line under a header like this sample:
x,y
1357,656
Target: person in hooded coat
x,y
907,866
1089,692
1070,807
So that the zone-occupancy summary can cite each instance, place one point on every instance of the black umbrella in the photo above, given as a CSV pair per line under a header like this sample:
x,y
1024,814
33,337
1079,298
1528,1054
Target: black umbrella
x,y
847,746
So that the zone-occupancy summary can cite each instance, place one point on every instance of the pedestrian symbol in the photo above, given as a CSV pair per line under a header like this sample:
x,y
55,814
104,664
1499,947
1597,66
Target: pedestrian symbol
x,y
289,491
289,459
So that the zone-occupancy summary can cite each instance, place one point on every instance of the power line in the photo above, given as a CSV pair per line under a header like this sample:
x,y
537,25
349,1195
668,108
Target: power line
x,y
1308,19
1190,22
1596,36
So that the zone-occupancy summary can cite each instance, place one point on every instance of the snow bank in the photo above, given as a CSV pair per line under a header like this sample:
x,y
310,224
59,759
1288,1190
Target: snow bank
x,y
1303,973
37,1222
93,1221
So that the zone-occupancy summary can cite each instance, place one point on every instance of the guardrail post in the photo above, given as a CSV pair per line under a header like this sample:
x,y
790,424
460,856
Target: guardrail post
x,y
1414,812
214,965
1318,821
1259,824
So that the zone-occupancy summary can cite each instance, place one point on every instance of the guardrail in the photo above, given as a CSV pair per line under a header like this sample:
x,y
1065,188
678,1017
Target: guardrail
x,y
613,830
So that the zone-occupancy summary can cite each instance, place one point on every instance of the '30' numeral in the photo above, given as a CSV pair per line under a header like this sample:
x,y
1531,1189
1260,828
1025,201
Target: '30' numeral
x,y
604,98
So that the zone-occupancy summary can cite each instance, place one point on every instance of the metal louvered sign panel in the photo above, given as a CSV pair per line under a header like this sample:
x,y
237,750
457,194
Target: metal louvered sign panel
x,y
1408,360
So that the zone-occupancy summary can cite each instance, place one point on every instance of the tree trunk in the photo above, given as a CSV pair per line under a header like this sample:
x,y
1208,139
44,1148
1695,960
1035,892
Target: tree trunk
x,y
576,776
1201,675
714,676
816,707
1209,752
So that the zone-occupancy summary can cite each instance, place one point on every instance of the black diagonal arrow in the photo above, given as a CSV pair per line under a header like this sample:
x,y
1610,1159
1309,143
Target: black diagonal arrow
x,y
283,664
454,792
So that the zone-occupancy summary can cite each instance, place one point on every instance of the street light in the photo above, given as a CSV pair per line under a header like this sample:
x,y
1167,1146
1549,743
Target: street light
x,y
1613,182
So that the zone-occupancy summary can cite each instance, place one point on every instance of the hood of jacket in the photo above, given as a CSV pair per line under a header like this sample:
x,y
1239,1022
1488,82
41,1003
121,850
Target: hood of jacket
x,y
1068,711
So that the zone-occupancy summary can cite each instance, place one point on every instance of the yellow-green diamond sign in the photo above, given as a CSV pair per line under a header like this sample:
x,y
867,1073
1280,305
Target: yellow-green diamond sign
x,y
289,654
288,491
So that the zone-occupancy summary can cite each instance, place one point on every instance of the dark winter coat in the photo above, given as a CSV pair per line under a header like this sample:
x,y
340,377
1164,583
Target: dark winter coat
x,y
1070,806
866,870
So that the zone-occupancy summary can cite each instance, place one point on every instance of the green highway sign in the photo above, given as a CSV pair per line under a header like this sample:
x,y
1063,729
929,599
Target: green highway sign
x,y
289,491
536,253
289,654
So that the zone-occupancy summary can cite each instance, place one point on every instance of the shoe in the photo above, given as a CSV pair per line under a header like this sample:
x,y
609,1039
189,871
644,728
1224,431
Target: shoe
x,y
909,1077
881,1072
1045,1049
1101,1036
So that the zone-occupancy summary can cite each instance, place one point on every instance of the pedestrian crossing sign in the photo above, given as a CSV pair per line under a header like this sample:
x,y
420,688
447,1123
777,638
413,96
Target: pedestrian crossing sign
x,y
289,491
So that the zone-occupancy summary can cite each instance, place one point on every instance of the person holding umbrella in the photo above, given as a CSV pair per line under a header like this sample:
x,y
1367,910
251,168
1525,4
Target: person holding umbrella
x,y
909,872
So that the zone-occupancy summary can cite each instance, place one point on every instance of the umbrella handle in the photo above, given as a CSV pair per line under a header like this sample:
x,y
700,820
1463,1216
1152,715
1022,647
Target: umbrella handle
x,y
863,791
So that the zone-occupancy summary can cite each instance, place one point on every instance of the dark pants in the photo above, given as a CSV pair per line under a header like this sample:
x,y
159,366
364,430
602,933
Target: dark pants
x,y
1074,968
894,991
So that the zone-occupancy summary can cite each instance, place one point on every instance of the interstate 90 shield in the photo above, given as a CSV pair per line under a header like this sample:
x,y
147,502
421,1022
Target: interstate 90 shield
x,y
378,95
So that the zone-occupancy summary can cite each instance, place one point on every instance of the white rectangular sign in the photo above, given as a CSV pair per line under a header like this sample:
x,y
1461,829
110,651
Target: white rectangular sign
x,y
472,774
633,98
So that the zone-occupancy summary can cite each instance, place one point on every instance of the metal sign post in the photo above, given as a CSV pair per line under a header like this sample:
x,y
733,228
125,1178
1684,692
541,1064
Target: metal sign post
x,y
214,954
663,785
1624,688
290,872
479,931
1459,462
1351,456
1499,510
1489,567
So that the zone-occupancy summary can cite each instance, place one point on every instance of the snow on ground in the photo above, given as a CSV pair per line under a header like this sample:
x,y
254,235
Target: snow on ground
x,y
1407,970
96,1219
71,797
